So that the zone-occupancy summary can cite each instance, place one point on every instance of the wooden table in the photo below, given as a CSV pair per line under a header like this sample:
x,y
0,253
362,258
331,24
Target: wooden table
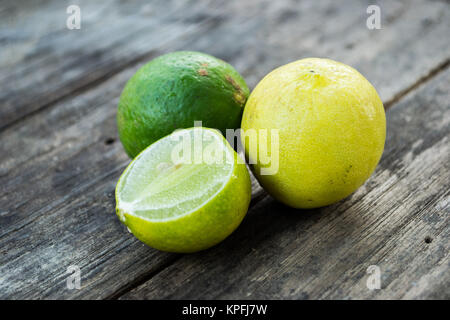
x,y
60,155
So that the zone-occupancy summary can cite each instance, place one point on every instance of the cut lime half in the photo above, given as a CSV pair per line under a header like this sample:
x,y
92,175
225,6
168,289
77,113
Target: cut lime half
x,y
184,193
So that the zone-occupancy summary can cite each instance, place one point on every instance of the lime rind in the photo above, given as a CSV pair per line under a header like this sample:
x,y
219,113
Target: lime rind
x,y
174,90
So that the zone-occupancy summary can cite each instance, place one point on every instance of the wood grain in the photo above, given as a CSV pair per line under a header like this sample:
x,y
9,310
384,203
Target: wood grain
x,y
42,62
59,166
324,253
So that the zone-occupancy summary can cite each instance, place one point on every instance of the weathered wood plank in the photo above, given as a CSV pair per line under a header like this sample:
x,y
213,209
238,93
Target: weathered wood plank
x,y
42,61
57,174
324,253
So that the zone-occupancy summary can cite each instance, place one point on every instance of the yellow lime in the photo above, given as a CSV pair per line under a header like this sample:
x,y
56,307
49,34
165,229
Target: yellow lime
x,y
331,128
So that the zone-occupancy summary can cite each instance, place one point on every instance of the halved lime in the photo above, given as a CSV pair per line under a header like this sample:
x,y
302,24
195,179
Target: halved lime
x,y
184,193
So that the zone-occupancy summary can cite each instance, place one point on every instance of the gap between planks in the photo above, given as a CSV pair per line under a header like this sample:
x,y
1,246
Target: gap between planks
x,y
433,72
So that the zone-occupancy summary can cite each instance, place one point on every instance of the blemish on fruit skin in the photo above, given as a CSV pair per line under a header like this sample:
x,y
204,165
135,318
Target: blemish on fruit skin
x,y
204,64
239,97
202,72
239,94
233,83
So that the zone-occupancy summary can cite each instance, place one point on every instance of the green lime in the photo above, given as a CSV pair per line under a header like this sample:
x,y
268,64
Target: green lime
x,y
184,193
174,90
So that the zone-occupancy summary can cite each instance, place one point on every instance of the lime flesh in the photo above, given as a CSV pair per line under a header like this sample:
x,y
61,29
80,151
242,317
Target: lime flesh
x,y
184,193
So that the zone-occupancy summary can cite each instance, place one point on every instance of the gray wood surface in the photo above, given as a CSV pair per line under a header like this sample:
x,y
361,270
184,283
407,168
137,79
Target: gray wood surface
x,y
60,158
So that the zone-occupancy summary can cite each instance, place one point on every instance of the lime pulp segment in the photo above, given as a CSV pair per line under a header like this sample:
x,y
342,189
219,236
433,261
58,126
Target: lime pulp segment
x,y
175,175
